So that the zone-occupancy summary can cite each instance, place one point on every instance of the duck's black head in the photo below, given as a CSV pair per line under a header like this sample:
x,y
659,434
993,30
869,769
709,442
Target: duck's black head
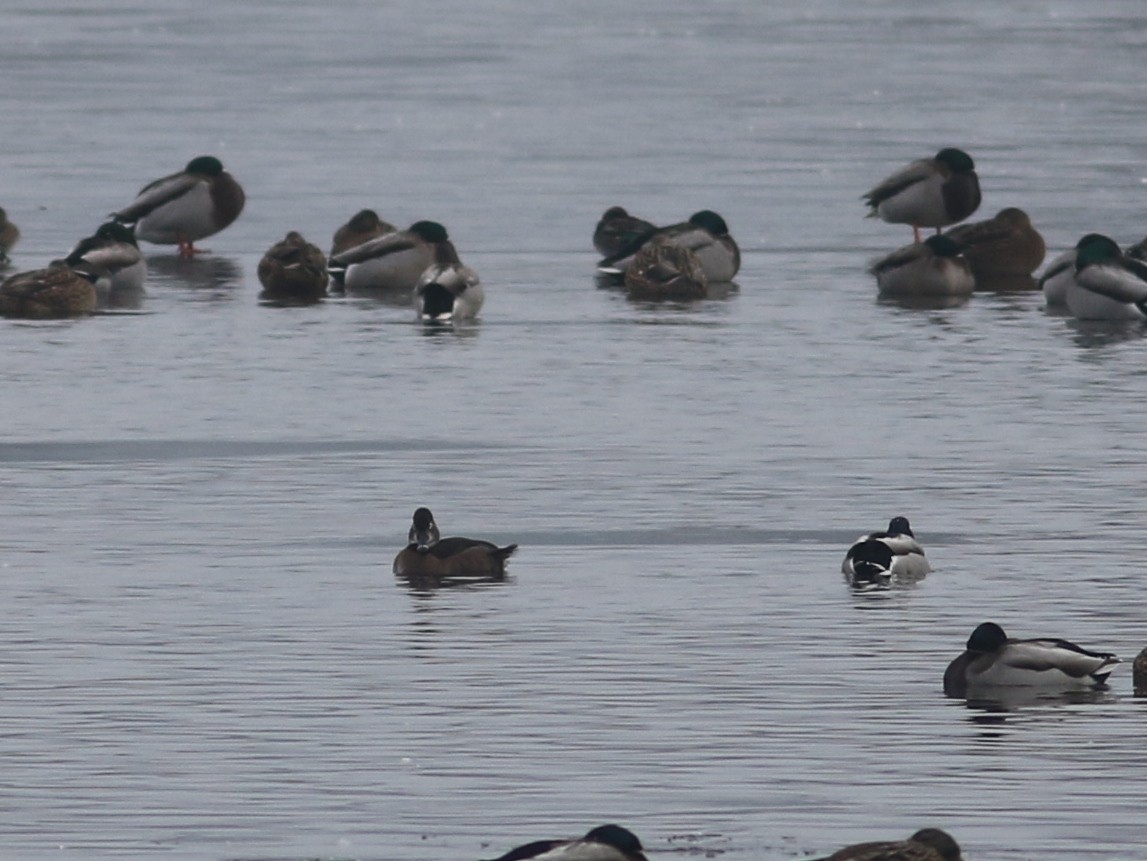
x,y
619,838
431,231
711,221
941,841
956,159
899,526
988,637
208,165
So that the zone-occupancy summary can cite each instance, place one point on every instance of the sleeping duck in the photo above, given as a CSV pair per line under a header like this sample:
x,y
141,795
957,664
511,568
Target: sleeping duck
x,y
992,660
178,209
928,844
908,561
604,843
929,192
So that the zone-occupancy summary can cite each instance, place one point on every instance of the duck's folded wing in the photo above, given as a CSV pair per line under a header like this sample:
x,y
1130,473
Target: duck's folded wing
x,y
968,235
899,257
448,547
1051,654
530,850
1115,282
154,195
907,176
630,248
380,246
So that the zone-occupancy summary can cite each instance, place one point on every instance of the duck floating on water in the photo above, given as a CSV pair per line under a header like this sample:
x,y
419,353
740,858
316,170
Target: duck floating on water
x,y
992,661
928,844
428,555
705,234
604,843
932,268
293,270
1107,285
61,290
863,561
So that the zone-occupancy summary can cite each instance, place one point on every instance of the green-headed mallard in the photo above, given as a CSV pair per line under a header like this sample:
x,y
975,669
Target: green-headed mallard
x,y
198,201
929,192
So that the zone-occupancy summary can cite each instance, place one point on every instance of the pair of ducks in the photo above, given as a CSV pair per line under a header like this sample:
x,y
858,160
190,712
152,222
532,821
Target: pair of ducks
x,y
681,261
1001,252
615,843
369,255
991,661
177,209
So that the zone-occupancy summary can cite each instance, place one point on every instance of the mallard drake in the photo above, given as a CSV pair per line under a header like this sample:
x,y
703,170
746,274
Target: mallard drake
x,y
198,201
992,660
60,291
616,229
933,267
393,262
9,235
427,554
363,226
1107,285
604,843
113,254
868,564
908,560
293,270
928,844
929,192
1057,277
662,269
1004,245
448,290
705,234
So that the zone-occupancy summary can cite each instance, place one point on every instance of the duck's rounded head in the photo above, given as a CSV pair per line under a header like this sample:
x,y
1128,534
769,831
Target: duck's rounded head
x,y
988,637
431,231
364,220
423,530
614,212
619,838
208,165
116,231
710,221
943,246
941,841
1095,248
899,526
955,159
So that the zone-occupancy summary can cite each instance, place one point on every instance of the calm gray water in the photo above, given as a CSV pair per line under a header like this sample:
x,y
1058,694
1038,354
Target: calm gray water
x,y
205,655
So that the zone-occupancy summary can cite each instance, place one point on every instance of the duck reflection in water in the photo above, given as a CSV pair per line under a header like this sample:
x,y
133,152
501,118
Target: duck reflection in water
x,y
220,274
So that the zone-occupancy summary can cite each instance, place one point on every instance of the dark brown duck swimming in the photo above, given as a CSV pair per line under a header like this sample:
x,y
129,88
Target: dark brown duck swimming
x,y
427,554
928,844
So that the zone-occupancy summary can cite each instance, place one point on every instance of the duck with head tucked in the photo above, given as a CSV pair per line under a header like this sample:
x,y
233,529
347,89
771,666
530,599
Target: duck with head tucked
x,y
60,291
616,229
604,843
1004,246
705,234
932,268
293,270
179,209
428,555
927,844
992,661
448,290
393,262
113,254
908,562
9,234
662,269
929,192
1108,285
363,226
